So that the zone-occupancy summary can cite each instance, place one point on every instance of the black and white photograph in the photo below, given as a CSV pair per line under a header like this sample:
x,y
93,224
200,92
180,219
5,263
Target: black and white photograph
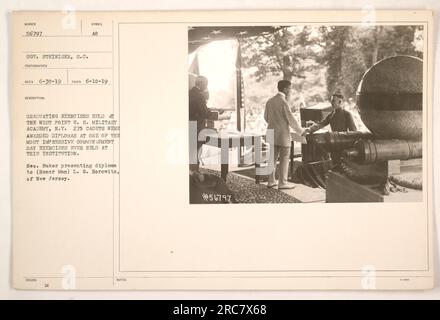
x,y
305,113
172,150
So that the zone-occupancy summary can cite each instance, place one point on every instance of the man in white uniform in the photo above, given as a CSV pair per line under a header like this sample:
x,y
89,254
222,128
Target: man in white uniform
x,y
280,119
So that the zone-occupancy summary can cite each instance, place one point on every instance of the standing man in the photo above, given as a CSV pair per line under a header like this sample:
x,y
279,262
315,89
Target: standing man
x,y
280,119
199,111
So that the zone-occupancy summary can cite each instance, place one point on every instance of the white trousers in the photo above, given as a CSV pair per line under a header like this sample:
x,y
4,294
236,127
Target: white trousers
x,y
284,154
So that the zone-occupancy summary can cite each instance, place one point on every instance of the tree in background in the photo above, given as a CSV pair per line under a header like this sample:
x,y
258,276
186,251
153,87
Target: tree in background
x,y
349,51
386,41
317,60
280,53
342,56
337,55
290,54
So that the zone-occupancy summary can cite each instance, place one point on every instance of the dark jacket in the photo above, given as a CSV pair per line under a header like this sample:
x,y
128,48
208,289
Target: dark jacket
x,y
198,110
340,120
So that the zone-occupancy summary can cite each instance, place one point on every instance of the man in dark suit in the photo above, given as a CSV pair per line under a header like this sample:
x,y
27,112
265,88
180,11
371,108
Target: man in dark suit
x,y
340,120
198,96
198,111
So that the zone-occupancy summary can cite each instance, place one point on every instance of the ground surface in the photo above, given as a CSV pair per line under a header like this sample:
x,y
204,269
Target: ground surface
x,y
247,191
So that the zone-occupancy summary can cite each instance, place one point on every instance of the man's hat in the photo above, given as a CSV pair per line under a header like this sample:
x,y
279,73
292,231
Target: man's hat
x,y
338,93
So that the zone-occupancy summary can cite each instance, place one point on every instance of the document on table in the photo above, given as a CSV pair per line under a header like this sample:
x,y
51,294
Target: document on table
x,y
298,138
100,165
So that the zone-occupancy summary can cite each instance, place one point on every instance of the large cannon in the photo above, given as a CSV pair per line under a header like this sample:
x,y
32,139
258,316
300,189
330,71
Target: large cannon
x,y
390,101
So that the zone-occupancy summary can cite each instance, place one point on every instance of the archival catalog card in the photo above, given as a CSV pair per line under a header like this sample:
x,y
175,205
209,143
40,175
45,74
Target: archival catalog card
x,y
222,150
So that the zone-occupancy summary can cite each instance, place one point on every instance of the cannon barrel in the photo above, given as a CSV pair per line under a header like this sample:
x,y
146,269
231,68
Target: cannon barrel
x,y
336,141
374,151
390,103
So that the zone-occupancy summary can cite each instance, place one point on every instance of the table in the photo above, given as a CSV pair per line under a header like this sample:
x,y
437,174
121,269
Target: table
x,y
229,140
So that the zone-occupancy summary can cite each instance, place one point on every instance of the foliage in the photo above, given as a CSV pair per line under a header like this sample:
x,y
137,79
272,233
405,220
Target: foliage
x,y
319,59
286,53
